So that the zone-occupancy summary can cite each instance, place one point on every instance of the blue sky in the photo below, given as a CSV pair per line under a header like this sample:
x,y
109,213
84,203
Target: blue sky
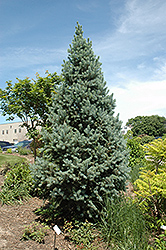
x,y
128,35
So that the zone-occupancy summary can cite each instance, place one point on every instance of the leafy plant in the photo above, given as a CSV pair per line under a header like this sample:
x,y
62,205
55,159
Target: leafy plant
x,y
151,185
35,231
151,194
6,167
48,213
137,158
9,151
153,125
23,151
17,184
144,139
83,234
26,95
156,156
123,224
160,242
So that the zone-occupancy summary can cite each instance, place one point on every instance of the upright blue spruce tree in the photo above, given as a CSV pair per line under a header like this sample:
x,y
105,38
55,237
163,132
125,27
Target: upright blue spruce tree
x,y
85,157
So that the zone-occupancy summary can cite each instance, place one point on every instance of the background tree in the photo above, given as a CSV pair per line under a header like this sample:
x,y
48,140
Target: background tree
x,y
153,125
29,100
85,156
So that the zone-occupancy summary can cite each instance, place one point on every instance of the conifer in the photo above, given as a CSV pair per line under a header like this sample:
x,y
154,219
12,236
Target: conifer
x,y
85,157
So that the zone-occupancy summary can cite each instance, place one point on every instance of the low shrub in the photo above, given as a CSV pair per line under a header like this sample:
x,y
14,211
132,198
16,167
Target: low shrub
x,y
23,151
137,158
35,231
9,151
82,234
17,184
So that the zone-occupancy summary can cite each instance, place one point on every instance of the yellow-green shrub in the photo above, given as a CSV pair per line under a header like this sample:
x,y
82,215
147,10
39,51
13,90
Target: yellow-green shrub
x,y
151,185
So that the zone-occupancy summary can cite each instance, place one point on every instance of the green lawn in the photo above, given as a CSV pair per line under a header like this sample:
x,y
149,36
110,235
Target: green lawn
x,y
11,159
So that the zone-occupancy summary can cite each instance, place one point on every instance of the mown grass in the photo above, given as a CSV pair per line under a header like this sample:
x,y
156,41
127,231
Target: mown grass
x,y
9,159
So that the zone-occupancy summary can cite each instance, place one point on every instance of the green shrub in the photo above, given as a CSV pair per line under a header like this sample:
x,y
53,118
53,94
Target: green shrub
x,y
9,151
5,168
160,242
17,184
143,139
23,151
137,158
82,234
35,231
123,225
150,188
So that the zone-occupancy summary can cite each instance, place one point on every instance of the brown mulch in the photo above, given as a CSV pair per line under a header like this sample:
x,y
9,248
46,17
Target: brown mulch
x,y
14,219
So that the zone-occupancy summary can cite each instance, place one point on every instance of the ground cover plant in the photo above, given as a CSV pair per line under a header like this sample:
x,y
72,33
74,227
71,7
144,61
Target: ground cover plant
x,y
85,156
17,184
83,234
35,231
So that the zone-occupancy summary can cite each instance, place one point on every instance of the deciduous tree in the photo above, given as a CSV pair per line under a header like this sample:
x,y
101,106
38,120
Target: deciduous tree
x,y
29,100
153,125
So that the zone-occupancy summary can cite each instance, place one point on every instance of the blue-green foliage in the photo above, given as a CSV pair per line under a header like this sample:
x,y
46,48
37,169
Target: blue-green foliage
x,y
85,156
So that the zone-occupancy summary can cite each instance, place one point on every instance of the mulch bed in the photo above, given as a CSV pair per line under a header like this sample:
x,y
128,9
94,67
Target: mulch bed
x,y
14,219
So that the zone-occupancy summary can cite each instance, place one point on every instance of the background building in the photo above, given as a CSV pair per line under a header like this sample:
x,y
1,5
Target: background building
x,y
13,132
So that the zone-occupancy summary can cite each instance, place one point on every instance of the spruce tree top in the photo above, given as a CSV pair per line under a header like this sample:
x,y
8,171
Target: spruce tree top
x,y
84,89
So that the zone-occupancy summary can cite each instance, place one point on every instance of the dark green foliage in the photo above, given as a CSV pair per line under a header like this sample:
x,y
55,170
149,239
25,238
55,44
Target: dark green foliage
x,y
17,184
123,225
145,139
153,125
85,156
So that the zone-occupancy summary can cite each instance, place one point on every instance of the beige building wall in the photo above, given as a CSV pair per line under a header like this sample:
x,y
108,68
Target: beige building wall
x,y
12,132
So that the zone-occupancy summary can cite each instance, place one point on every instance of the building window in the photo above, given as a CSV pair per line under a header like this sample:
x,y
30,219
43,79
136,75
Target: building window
x,y
7,132
19,130
10,126
3,132
15,131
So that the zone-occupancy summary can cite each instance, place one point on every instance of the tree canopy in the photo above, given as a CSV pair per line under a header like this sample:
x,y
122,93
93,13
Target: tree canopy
x,y
153,125
29,100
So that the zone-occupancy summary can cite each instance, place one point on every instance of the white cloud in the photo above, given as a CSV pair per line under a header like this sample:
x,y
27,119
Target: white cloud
x,y
147,98
136,50
140,15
